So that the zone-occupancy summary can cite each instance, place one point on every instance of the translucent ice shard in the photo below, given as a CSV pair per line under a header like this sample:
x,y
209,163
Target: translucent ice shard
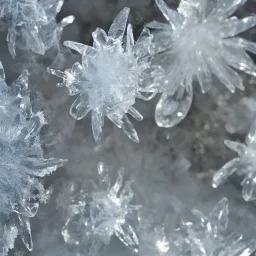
x,y
243,165
101,215
31,24
114,72
22,163
200,41
207,237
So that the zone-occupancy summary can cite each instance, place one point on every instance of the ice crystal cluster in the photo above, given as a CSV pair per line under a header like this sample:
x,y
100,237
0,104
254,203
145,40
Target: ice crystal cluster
x,y
22,163
102,214
114,72
207,237
200,42
31,24
243,165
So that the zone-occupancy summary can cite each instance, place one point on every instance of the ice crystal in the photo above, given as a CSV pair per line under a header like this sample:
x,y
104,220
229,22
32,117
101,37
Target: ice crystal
x,y
114,72
200,41
102,214
31,24
22,162
244,165
207,238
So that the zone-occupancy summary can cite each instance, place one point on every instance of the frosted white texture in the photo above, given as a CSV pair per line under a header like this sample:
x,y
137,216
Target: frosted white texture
x,y
200,42
114,72
207,237
102,214
21,162
243,165
31,24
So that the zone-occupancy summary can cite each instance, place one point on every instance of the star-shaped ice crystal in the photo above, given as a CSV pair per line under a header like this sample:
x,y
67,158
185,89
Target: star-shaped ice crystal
x,y
207,237
200,41
114,72
22,164
102,214
244,165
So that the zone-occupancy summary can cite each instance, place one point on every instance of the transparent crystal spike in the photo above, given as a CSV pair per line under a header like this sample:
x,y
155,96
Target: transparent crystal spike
x,y
171,109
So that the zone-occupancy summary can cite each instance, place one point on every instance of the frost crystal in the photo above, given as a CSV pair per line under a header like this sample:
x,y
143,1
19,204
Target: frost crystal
x,y
206,238
244,165
114,72
102,214
22,162
31,24
200,40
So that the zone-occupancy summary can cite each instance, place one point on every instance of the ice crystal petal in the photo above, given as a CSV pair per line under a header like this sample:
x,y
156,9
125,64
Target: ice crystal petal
x,y
233,27
135,113
219,216
204,76
127,235
199,42
80,108
238,147
25,232
114,72
79,47
157,25
171,16
129,130
118,26
239,59
226,171
225,8
171,109
129,38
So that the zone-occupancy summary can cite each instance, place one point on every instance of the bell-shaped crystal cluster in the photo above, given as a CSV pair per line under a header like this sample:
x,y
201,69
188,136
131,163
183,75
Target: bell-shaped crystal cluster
x,y
31,24
243,165
200,42
22,163
102,214
207,237
114,72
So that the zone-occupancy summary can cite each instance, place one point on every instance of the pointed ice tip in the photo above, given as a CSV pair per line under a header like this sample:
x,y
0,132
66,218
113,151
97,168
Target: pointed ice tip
x,y
78,47
97,136
118,26
223,202
68,20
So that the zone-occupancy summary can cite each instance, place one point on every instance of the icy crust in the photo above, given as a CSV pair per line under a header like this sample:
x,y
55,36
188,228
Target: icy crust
x,y
31,24
101,214
208,236
200,42
114,72
22,163
243,165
